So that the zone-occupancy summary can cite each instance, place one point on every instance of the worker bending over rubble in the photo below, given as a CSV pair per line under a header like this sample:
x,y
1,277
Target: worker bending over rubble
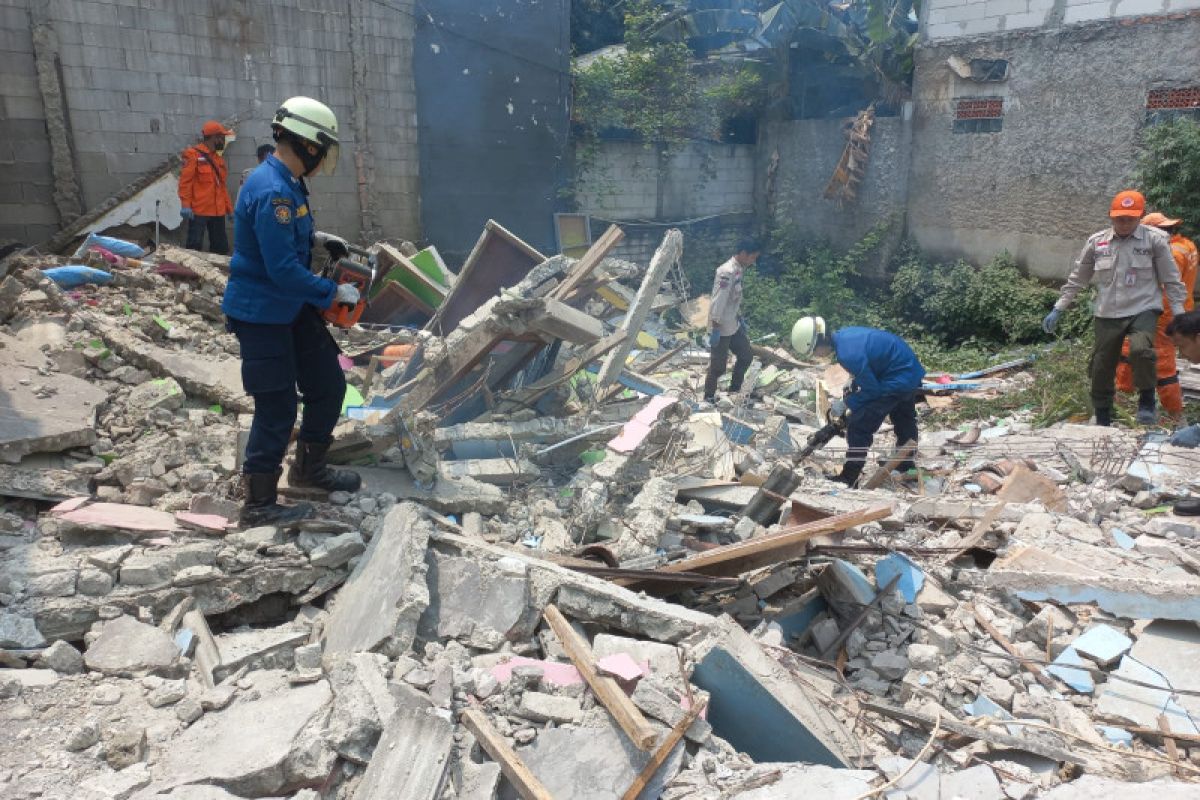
x,y
886,375
1170,393
726,329
272,304
1133,269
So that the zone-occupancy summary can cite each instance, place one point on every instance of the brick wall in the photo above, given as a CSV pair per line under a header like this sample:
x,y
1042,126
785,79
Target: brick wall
x,y
1074,109
141,76
945,19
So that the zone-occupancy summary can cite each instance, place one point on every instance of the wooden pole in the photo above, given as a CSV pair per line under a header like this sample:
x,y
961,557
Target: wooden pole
x,y
518,774
905,452
663,752
627,715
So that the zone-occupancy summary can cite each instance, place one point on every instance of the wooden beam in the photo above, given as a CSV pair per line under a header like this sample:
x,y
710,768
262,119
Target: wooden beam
x,y
903,454
1022,486
627,715
663,751
519,775
734,559
585,266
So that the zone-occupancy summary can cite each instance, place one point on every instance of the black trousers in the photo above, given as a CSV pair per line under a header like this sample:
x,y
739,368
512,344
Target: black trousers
x,y
218,241
276,360
865,421
739,344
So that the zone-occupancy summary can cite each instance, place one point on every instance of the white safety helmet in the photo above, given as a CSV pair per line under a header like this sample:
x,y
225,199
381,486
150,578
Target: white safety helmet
x,y
313,121
805,334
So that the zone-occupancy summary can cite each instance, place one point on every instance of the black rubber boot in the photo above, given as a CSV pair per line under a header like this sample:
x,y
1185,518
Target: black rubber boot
x,y
1188,507
261,506
311,469
1147,413
1104,417
850,474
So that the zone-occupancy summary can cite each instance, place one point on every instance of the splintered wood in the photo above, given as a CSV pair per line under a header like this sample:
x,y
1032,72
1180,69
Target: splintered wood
x,y
852,166
1022,486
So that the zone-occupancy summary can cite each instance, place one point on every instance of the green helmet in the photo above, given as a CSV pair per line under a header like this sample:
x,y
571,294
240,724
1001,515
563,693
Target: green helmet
x,y
313,121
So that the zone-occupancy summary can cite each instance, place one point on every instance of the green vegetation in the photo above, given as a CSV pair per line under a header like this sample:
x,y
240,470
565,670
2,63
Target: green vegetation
x,y
654,91
1169,170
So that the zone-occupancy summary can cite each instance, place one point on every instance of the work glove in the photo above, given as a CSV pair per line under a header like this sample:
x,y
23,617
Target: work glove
x,y
1186,437
336,246
1051,320
347,294
714,336
187,214
837,409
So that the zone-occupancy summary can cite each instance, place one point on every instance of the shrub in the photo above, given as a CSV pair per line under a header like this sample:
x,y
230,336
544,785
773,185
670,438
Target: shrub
x,y
1169,170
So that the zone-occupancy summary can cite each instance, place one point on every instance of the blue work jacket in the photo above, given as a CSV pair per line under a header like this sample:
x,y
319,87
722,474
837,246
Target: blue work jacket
x,y
270,274
881,364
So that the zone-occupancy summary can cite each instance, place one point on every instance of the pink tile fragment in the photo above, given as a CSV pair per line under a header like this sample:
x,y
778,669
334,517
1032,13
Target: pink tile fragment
x,y
345,363
117,515
208,522
555,672
623,667
69,505
639,427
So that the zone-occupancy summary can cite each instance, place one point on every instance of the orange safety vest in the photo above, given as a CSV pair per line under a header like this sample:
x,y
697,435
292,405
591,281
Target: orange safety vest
x,y
1188,260
202,183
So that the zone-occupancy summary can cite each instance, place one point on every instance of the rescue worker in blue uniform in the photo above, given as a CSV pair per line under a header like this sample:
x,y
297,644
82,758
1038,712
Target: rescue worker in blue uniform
x,y
273,305
886,376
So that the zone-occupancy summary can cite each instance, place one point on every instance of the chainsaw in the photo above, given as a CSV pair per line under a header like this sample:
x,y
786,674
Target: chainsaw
x,y
341,268
835,425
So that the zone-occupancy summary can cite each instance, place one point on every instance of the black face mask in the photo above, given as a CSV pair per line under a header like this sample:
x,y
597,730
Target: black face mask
x,y
310,161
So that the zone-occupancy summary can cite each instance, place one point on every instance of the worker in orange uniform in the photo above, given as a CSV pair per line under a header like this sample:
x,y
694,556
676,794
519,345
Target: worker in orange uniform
x,y
1170,394
203,195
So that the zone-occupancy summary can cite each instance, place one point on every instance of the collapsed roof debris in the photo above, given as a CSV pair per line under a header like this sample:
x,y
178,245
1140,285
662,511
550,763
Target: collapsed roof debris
x,y
561,579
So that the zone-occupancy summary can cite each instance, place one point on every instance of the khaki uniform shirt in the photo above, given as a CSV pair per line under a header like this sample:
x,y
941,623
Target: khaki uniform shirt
x,y
1131,274
726,298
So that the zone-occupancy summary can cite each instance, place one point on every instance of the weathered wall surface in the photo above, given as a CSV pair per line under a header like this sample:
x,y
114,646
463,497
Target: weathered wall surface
x,y
141,76
1074,105
796,158
945,19
493,84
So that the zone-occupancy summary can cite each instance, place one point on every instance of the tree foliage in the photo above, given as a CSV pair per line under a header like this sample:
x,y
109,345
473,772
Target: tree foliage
x,y
1169,170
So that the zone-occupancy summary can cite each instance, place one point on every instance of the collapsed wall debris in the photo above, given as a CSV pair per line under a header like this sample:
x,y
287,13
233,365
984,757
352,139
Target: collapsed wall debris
x,y
561,579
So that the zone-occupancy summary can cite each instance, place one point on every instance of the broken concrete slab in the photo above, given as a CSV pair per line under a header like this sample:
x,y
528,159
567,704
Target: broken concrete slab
x,y
50,485
254,748
975,783
495,471
662,658
382,601
792,722
126,647
1089,787
482,604
115,785
542,707
593,763
200,376
1035,574
257,648
446,496
413,753
812,780
42,411
363,705
1129,703
654,701
1103,644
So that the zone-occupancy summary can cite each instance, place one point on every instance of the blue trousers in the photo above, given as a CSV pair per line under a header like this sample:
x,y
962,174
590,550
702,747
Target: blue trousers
x,y
865,421
276,361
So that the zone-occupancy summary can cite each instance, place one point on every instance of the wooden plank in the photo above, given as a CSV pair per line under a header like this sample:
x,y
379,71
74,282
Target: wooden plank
x,y
903,454
1022,486
662,752
585,266
393,258
734,559
518,774
627,715
1164,725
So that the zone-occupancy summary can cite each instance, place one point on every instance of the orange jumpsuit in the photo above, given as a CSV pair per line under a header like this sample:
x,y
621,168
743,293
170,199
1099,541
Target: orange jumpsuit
x,y
202,182
1170,394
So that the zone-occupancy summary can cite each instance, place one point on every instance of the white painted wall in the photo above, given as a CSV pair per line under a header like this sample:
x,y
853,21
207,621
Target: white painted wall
x,y
947,19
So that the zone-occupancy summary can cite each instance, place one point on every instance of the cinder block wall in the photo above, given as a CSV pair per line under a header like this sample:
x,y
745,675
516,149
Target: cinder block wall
x,y
141,76
624,182
946,19
1074,110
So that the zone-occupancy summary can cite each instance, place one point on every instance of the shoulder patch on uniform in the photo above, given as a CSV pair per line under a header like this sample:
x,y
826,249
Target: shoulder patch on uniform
x,y
302,211
281,201
283,215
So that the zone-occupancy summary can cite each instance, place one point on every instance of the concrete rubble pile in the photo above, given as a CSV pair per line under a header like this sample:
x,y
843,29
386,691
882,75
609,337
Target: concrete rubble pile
x,y
564,577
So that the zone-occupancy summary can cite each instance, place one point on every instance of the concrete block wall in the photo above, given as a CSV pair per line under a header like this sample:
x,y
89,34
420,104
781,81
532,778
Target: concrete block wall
x,y
624,182
808,150
141,77
1074,108
947,19
27,211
